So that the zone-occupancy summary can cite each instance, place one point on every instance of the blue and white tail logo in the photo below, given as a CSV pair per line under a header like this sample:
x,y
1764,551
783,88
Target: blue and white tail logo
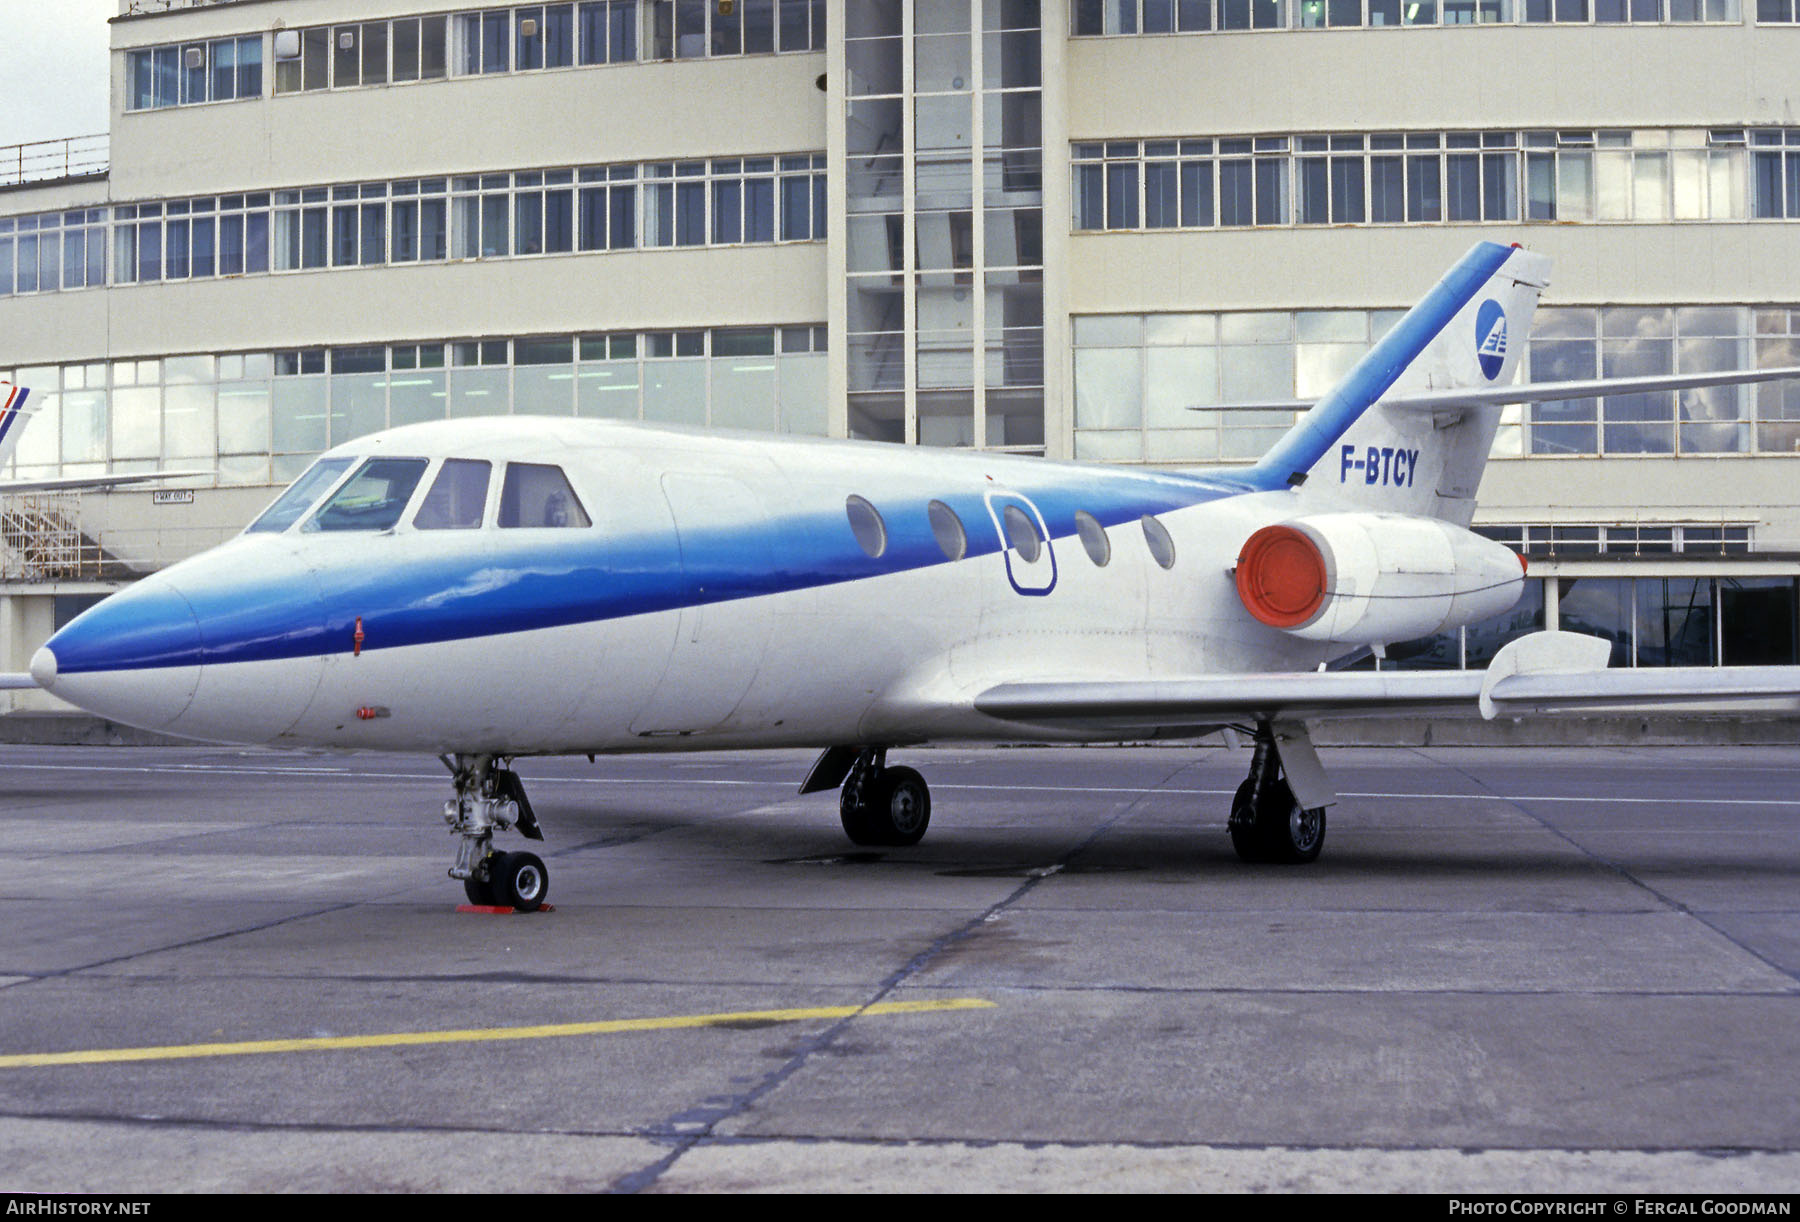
x,y
1490,338
12,407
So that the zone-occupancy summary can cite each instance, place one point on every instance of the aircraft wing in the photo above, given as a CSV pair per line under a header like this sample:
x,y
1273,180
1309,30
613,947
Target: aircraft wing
x,y
73,482
1534,392
1544,673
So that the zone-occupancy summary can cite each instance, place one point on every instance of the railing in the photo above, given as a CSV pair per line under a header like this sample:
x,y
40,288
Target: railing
x,y
43,542
136,8
44,160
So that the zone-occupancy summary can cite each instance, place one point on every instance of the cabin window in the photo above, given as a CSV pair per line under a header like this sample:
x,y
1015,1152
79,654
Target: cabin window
x,y
457,498
372,499
867,526
1022,534
1162,547
537,495
1093,537
948,529
301,495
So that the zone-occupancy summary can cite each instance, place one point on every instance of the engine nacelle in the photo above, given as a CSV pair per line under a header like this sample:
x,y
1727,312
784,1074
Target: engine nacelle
x,y
1370,578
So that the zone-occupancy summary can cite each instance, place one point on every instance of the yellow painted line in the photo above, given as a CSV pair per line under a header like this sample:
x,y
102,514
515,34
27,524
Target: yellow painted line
x,y
476,1035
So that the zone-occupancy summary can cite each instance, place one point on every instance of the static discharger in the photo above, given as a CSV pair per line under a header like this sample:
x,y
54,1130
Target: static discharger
x,y
1281,577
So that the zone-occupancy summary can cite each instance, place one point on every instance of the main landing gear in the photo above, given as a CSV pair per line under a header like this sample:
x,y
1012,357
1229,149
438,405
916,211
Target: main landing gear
x,y
490,799
1268,824
878,805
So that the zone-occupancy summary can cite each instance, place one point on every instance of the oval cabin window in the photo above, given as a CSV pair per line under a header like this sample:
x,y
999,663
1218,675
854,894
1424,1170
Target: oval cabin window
x,y
1162,547
867,526
948,530
1093,538
1022,534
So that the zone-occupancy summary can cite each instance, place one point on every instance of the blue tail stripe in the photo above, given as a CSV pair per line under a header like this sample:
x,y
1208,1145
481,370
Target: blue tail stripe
x,y
1331,417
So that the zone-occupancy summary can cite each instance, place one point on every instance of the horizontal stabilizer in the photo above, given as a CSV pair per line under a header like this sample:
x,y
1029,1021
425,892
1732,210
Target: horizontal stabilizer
x,y
1697,689
1534,392
71,483
10,682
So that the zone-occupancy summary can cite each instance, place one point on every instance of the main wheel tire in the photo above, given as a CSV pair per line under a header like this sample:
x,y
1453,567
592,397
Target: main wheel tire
x,y
519,881
900,806
1295,834
1282,831
859,823
1246,832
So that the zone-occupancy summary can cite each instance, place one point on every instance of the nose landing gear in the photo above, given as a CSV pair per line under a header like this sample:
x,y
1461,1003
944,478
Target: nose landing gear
x,y
490,799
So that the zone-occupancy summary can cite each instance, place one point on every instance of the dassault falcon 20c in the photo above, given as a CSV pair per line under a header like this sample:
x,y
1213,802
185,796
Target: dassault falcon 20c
x,y
486,589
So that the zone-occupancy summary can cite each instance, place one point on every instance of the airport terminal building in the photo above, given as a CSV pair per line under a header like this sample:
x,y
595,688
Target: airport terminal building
x,y
1040,228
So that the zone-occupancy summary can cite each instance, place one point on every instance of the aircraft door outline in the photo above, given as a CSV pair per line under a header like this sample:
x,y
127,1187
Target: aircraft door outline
x,y
718,650
1032,578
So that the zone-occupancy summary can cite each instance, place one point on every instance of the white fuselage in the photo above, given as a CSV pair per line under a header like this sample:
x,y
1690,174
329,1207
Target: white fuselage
x,y
720,599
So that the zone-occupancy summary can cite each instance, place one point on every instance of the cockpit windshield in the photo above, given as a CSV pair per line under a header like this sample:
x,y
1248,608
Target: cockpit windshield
x,y
301,495
372,499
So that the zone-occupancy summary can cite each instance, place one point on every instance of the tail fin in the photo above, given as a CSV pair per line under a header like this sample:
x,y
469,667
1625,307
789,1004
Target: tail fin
x,y
1352,451
13,417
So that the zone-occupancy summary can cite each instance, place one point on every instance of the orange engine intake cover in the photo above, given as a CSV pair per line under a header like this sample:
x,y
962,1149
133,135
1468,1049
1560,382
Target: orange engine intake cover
x,y
1281,576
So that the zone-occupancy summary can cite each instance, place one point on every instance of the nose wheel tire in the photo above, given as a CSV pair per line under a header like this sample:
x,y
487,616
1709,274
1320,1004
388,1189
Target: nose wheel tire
x,y
518,880
480,892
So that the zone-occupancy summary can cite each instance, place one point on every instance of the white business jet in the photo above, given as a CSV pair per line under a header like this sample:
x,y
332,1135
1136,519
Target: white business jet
x,y
485,589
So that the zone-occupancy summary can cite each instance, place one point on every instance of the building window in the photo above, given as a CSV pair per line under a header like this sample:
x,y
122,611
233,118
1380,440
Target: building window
x,y
1138,375
185,74
52,251
690,29
1637,539
735,201
263,417
609,31
1103,17
1643,176
532,38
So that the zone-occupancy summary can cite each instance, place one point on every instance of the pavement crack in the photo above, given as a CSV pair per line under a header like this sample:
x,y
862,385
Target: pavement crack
x,y
188,943
686,1130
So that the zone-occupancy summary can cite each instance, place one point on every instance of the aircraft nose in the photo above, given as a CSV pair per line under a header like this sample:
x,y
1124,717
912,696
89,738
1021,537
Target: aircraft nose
x,y
43,668
133,658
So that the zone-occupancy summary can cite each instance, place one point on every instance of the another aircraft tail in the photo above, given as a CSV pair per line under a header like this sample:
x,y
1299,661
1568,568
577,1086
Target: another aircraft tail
x,y
13,417
1353,450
